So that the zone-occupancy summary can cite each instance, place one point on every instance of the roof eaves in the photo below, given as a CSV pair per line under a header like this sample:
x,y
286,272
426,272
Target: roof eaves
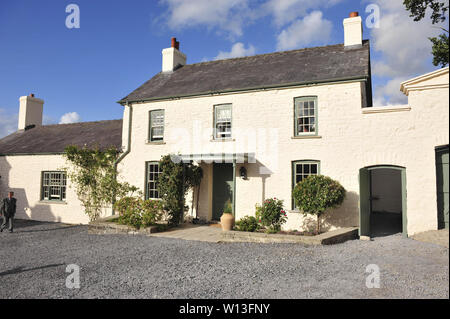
x,y
259,88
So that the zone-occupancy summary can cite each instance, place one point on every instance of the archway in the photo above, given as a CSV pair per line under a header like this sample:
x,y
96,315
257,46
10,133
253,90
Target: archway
x,y
382,201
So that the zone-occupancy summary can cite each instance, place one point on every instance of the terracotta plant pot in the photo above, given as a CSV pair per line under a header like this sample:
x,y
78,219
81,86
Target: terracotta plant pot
x,y
227,222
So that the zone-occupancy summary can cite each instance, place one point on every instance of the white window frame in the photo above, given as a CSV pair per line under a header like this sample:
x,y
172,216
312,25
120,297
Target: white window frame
x,y
224,123
53,186
151,176
305,118
156,120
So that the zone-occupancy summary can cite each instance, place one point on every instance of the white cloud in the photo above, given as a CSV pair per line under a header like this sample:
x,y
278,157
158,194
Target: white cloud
x,y
404,47
311,30
286,11
237,50
8,123
72,117
227,15
403,42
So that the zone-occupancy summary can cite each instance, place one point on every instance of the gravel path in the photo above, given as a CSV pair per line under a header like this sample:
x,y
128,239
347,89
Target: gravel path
x,y
34,258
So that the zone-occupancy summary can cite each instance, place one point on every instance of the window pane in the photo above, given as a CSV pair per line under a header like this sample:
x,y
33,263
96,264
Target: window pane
x,y
314,169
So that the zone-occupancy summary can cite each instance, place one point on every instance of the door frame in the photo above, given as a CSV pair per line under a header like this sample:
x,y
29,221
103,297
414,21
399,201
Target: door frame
x,y
364,216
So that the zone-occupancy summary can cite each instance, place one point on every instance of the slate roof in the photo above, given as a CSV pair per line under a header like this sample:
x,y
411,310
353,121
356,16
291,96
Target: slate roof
x,y
54,138
304,66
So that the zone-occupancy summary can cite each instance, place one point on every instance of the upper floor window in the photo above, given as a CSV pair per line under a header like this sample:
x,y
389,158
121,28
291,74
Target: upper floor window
x,y
151,180
156,125
53,186
305,114
222,121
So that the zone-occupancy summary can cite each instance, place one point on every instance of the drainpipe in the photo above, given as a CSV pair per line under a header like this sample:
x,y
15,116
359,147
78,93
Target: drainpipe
x,y
122,156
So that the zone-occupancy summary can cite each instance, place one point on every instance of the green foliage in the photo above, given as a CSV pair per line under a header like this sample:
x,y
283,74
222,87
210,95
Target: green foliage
x,y
247,223
418,9
439,9
440,50
93,173
317,193
136,212
271,214
174,181
227,208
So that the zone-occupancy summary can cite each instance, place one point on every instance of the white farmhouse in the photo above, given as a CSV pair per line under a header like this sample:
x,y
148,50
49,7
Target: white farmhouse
x,y
257,125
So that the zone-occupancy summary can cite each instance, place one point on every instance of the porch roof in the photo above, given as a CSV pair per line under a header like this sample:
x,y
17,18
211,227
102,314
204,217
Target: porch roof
x,y
218,157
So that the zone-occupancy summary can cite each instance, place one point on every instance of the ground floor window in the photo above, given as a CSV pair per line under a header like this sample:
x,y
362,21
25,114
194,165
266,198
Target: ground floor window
x,y
303,169
54,186
151,181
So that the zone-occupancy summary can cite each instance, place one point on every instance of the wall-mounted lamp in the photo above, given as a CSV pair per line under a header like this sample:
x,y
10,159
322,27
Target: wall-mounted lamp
x,y
243,172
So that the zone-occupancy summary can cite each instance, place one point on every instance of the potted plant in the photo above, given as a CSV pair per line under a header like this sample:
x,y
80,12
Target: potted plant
x,y
227,219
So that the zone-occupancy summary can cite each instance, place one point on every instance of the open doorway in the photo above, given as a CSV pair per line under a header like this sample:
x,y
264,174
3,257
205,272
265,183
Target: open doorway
x,y
382,201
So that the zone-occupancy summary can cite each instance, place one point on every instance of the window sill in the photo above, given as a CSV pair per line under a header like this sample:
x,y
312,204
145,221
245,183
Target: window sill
x,y
302,137
223,140
155,142
57,202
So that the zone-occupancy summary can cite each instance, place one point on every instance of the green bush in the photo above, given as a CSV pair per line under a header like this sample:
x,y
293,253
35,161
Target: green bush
x,y
228,208
271,214
247,223
136,212
317,193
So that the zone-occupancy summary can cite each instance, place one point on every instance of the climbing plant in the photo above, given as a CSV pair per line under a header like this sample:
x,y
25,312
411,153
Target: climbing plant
x,y
93,173
174,181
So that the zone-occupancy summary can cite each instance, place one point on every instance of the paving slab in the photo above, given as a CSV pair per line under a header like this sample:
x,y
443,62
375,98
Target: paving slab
x,y
438,237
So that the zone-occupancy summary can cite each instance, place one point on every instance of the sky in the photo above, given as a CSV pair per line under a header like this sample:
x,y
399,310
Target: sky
x,y
82,72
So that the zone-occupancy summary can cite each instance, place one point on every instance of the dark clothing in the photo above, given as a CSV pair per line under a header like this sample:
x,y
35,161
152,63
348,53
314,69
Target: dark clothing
x,y
8,210
8,207
8,221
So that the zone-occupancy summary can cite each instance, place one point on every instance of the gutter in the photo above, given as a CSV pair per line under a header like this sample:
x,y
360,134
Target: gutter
x,y
250,89
127,151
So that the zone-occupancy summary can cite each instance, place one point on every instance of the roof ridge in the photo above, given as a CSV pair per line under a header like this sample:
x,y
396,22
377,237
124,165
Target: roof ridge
x,y
85,122
265,54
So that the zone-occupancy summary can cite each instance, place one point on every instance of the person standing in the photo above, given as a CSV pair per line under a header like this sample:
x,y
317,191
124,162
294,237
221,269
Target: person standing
x,y
8,209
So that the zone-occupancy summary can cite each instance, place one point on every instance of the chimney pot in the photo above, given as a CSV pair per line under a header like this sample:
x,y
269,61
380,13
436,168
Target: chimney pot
x,y
174,42
354,14
31,94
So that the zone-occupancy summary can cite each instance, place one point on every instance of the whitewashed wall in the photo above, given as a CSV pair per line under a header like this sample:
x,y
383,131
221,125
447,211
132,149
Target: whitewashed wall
x,y
349,139
22,175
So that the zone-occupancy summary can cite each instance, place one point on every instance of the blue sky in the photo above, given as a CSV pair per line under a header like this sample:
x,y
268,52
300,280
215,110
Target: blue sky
x,y
81,73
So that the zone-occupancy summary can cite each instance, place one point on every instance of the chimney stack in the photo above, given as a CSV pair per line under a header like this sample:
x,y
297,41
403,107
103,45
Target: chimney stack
x,y
30,111
172,58
353,30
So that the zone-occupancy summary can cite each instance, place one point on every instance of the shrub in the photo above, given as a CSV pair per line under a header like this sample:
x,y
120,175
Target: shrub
x,y
317,193
136,212
247,223
271,214
151,212
174,181
227,208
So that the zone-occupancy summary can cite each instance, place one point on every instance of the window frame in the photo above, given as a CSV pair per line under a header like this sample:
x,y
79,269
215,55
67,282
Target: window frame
x,y
150,126
316,115
294,174
62,187
215,107
147,180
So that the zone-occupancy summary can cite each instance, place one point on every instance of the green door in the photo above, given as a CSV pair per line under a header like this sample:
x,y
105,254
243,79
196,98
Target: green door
x,y
222,187
364,202
442,182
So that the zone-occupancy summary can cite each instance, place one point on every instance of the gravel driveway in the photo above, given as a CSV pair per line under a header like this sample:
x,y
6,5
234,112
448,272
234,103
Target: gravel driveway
x,y
33,261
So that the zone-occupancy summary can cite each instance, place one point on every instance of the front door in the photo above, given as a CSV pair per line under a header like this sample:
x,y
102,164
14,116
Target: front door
x,y
442,181
222,187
